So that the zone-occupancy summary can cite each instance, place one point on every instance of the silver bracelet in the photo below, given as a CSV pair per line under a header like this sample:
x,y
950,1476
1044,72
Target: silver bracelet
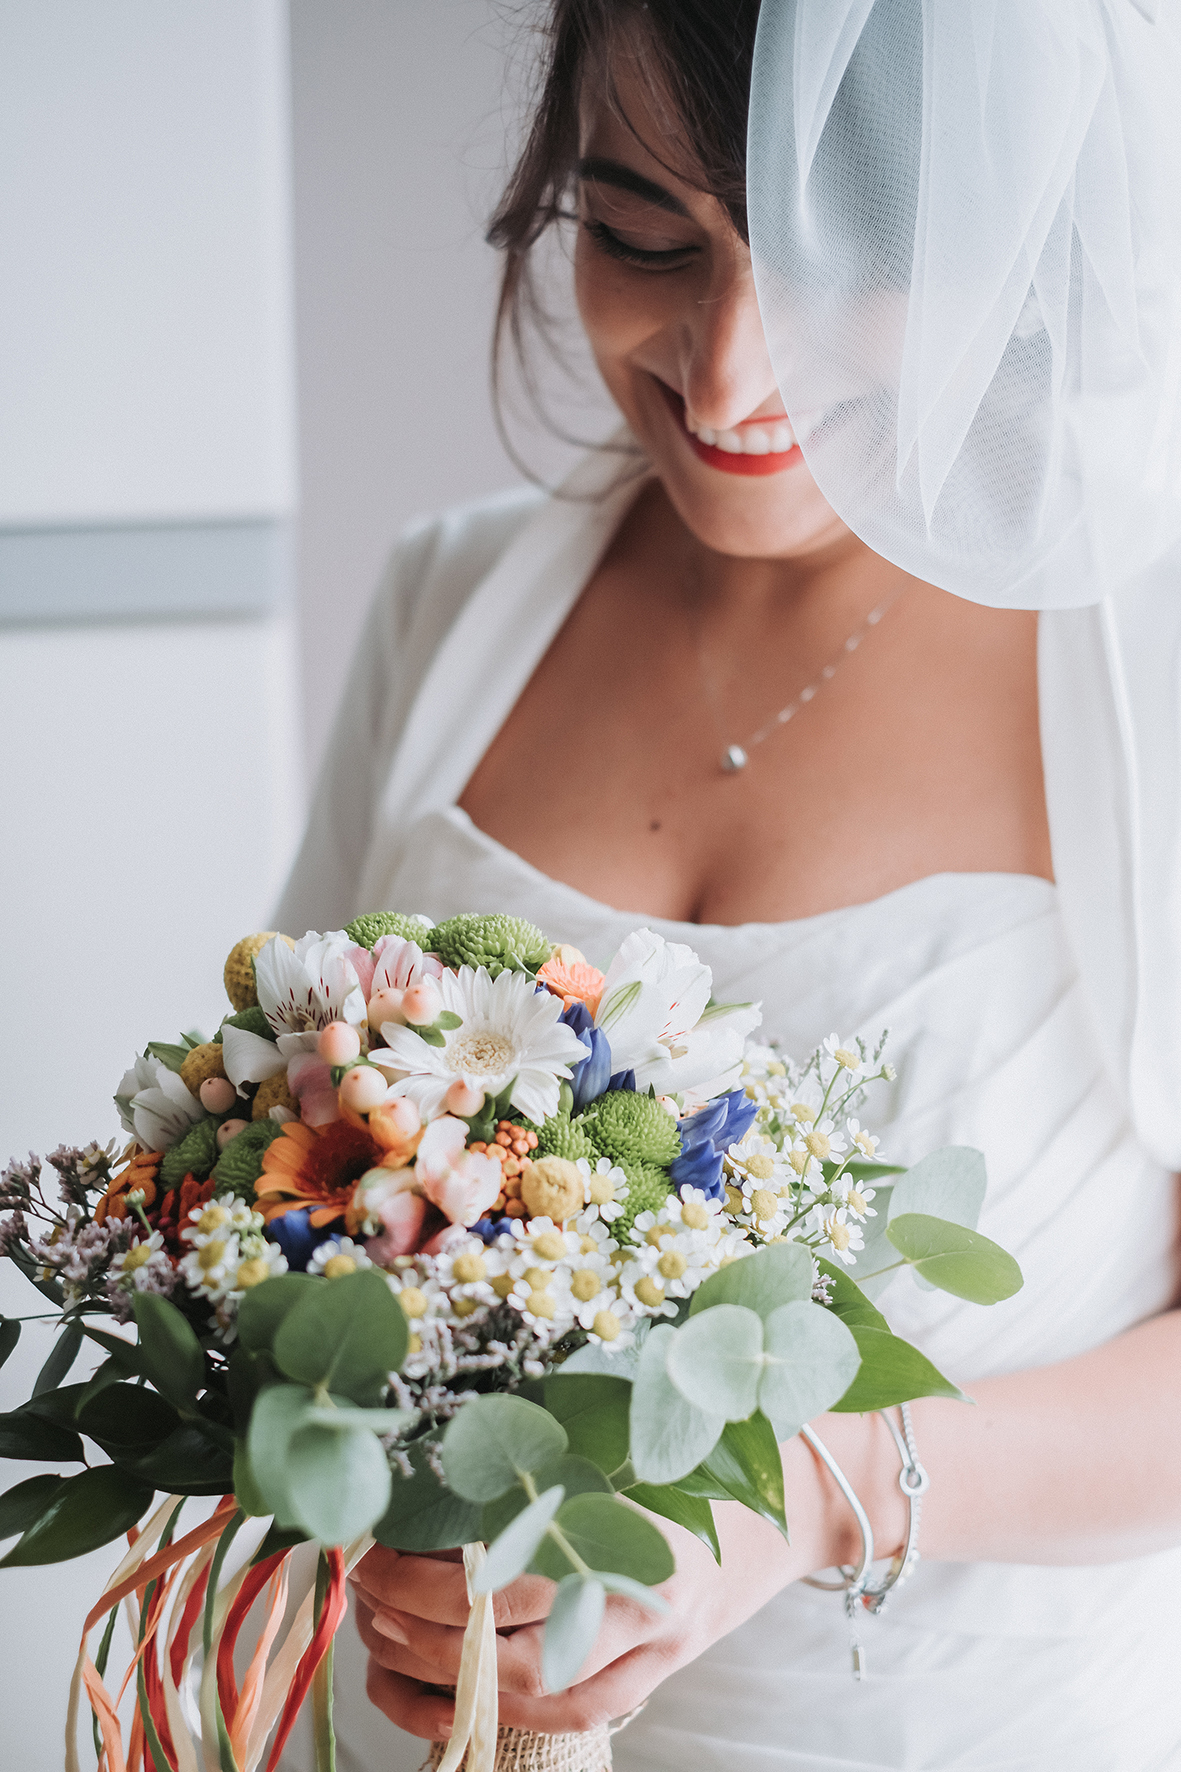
x,y
862,1594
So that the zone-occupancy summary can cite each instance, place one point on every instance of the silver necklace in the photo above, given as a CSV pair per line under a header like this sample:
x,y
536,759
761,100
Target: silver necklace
x,y
736,756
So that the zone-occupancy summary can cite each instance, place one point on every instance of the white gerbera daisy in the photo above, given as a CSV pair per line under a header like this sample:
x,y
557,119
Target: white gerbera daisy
x,y
509,1033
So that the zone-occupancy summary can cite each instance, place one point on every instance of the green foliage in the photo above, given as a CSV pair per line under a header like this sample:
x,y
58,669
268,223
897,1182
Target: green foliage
x,y
187,1462
571,1629
562,1137
747,1466
495,1441
575,1476
253,1020
502,944
955,1259
83,1513
127,1420
716,1360
264,1307
793,1365
670,1434
950,1183
762,1282
423,1515
891,1371
23,1504
672,1503
609,1536
368,930
514,1548
170,1354
279,1412
849,1302
10,1334
338,1481
631,1128
240,1164
593,1410
195,1155
345,1337
61,1358
24,1433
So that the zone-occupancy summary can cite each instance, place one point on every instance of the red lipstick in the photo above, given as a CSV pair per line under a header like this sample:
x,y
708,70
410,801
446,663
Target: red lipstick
x,y
723,459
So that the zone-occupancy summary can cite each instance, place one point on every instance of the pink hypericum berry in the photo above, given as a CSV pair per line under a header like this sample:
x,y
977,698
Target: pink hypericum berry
x,y
422,1003
463,1099
363,1088
217,1094
227,1130
385,1006
339,1043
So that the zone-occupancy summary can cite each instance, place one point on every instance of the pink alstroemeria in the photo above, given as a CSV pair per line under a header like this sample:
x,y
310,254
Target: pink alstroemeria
x,y
309,1079
402,1214
461,1183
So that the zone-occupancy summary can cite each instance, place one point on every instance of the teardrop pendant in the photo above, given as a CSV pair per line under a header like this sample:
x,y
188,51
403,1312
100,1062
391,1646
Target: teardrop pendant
x,y
734,758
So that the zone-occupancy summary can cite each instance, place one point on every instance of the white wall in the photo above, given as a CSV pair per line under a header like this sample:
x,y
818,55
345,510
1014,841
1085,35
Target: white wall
x,y
149,789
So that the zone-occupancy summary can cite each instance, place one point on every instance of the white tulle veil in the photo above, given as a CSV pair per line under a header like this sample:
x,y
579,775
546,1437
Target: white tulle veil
x,y
965,222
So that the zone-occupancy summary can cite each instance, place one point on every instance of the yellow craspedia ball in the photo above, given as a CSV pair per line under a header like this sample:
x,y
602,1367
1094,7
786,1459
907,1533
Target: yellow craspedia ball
x,y
273,1093
202,1063
239,970
552,1187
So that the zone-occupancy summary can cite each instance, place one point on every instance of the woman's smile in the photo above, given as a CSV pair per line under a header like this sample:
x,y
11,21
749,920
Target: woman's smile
x,y
763,445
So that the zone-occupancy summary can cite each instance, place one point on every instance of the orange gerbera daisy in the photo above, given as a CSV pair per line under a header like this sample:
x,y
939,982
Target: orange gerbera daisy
x,y
140,1174
572,978
317,1167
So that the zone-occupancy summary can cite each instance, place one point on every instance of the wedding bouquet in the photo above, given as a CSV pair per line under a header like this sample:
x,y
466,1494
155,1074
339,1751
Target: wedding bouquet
x,y
446,1238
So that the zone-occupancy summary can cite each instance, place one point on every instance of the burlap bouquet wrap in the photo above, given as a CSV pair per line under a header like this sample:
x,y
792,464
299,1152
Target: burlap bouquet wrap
x,y
477,1743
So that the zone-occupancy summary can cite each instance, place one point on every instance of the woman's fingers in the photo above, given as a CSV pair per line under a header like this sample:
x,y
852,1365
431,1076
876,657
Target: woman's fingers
x,y
426,1587
427,1714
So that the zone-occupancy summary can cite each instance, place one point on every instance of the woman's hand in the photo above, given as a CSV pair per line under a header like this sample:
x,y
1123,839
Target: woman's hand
x,y
411,1613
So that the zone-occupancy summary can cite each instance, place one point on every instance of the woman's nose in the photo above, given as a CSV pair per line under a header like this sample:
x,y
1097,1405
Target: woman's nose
x,y
726,372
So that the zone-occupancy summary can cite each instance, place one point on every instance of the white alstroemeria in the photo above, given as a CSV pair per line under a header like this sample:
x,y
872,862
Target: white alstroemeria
x,y
509,1032
300,990
249,1058
155,1105
656,1014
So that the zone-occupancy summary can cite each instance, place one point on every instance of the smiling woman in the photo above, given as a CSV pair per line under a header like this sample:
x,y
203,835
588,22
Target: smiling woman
x,y
687,690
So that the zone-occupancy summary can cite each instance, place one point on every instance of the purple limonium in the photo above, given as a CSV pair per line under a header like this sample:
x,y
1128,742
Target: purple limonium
x,y
705,1136
592,1077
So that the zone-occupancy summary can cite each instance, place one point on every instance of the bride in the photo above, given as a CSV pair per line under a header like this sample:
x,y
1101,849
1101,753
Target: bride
x,y
769,674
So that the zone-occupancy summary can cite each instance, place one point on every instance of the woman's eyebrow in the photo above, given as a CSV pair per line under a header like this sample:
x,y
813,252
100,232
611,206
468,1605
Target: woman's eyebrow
x,y
614,172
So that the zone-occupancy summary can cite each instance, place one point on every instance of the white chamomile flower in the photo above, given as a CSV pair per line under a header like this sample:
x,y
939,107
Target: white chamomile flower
x,y
863,1140
133,1266
643,1292
755,1158
843,1239
697,1211
591,1282
337,1257
594,1237
542,1295
212,1268
420,1295
846,1054
605,1187
218,1219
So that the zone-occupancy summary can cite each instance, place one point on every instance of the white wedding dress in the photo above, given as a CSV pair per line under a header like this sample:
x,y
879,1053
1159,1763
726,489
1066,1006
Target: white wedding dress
x,y
998,1668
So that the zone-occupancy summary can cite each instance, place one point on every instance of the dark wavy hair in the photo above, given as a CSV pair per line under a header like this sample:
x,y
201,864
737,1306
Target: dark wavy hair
x,y
697,55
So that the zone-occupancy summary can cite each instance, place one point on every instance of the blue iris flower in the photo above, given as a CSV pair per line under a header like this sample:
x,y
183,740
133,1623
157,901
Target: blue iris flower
x,y
592,1075
488,1229
705,1137
623,1080
296,1237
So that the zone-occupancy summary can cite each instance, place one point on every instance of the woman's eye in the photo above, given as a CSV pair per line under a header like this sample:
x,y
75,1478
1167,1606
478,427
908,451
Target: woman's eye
x,y
608,241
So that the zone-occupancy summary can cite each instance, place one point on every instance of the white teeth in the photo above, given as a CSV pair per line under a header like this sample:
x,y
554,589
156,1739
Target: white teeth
x,y
769,439
781,439
756,441
704,433
730,441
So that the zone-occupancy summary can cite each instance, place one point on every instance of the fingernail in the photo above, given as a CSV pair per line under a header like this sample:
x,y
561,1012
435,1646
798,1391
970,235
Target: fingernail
x,y
387,1624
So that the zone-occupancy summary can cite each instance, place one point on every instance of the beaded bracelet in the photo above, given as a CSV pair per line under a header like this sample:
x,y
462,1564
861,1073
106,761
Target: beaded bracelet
x,y
862,1594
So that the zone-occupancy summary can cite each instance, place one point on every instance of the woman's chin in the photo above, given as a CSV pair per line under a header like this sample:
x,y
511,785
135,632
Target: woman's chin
x,y
771,517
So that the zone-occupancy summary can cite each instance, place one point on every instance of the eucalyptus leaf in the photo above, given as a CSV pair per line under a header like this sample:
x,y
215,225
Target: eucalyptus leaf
x,y
891,1371
592,1358
593,1409
669,1435
512,1550
672,1503
348,1336
748,1465
85,1512
607,1534
849,1302
378,1421
761,1282
23,1504
716,1359
24,1434
338,1482
279,1412
571,1629
10,1334
246,1491
812,1359
264,1307
577,1476
955,1259
170,1355
949,1183
424,1515
492,1442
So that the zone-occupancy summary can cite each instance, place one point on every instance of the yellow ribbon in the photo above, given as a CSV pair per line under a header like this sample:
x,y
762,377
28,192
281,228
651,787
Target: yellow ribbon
x,y
474,1730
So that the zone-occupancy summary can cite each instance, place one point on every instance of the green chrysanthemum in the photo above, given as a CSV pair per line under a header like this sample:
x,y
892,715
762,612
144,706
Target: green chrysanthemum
x,y
502,944
631,1128
195,1155
560,1137
252,1019
648,1187
240,1164
368,930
